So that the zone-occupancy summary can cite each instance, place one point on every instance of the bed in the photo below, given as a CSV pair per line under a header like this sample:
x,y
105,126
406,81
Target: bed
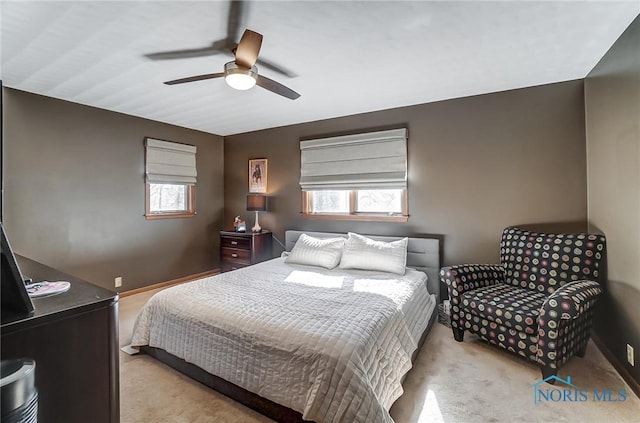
x,y
298,342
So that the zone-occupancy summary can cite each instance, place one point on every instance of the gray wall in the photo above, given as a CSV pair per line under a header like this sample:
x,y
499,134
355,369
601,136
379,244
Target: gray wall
x,y
612,92
476,165
74,193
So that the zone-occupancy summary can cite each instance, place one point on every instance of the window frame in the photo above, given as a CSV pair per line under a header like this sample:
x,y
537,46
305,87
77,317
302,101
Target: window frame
x,y
307,207
189,212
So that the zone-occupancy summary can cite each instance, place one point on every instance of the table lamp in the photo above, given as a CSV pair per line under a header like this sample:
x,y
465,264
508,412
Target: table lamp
x,y
256,203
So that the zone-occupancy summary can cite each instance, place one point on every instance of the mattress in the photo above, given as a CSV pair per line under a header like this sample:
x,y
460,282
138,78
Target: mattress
x,y
331,344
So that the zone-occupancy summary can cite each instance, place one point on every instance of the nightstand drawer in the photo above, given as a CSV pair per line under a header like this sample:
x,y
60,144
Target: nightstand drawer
x,y
236,255
231,242
241,249
227,267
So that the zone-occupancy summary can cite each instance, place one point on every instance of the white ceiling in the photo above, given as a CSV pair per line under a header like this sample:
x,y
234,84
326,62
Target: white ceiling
x,y
350,56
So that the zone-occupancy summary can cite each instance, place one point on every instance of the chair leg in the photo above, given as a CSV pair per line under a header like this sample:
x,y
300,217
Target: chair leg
x,y
458,334
548,371
582,351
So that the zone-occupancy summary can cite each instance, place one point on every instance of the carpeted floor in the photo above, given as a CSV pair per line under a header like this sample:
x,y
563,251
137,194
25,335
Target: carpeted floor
x,y
450,382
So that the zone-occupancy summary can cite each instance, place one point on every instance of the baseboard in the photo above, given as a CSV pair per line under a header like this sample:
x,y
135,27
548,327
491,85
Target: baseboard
x,y
169,283
620,368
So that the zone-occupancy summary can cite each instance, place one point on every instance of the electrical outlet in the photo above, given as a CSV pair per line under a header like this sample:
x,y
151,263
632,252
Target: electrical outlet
x,y
118,282
630,358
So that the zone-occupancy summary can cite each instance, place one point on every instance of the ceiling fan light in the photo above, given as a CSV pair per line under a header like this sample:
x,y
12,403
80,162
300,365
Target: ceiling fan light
x,y
239,77
240,81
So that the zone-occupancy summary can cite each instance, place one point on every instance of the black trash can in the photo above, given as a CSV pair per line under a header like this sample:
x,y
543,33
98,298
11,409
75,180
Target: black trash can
x,y
19,395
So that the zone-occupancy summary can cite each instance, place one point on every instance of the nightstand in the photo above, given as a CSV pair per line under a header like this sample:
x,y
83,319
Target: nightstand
x,y
241,249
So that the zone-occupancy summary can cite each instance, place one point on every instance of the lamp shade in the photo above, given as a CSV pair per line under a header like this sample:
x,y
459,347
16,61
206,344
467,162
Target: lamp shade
x,y
256,202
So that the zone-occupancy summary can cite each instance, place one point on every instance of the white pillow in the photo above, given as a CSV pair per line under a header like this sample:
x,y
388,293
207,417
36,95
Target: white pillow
x,y
316,252
365,253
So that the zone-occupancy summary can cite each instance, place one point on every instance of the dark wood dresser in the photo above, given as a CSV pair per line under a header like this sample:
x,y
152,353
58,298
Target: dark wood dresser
x,y
240,249
73,338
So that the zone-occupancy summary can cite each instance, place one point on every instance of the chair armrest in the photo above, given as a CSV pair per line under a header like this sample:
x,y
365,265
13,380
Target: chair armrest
x,y
560,332
466,277
570,300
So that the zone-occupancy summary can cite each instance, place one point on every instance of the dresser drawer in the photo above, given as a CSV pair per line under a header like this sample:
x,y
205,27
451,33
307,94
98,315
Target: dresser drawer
x,y
235,255
231,242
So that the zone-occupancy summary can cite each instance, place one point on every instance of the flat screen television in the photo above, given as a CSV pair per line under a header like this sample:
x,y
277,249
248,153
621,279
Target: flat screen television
x,y
15,300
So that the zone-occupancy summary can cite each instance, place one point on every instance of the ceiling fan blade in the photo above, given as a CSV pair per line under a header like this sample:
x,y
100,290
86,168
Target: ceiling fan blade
x,y
269,65
195,78
248,48
276,87
183,54
237,13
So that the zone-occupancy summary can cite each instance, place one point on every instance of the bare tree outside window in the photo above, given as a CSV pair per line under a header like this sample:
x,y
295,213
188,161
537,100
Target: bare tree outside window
x,y
167,197
169,200
363,204
330,202
379,201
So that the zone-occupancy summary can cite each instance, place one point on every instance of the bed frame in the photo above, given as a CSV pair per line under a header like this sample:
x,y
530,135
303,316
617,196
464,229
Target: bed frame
x,y
422,254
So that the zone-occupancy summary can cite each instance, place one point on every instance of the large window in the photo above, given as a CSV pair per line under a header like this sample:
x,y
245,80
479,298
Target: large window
x,y
355,177
384,204
170,179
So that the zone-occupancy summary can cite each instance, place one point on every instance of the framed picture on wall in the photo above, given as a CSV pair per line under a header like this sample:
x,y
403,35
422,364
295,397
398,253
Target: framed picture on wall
x,y
258,176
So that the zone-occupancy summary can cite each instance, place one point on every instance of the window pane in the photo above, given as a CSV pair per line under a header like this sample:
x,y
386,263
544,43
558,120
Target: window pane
x,y
379,201
167,197
330,201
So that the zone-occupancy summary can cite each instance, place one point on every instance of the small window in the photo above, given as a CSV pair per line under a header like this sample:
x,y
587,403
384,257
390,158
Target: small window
x,y
169,200
171,176
366,204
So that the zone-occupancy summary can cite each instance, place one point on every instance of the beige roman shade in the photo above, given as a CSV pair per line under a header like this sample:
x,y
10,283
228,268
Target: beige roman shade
x,y
170,162
373,160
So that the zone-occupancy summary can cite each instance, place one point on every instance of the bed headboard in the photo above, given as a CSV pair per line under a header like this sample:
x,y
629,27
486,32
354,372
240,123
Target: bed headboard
x,y
422,253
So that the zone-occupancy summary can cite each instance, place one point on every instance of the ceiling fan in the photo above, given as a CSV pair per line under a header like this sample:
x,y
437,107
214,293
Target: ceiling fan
x,y
227,45
242,73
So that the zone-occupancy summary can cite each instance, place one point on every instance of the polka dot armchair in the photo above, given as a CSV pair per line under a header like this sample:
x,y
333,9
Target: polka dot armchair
x,y
538,302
